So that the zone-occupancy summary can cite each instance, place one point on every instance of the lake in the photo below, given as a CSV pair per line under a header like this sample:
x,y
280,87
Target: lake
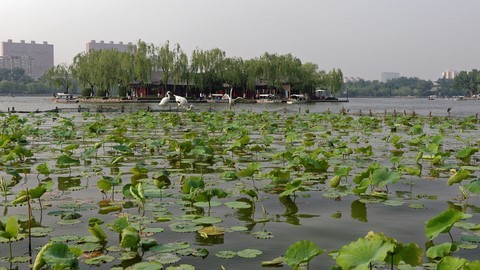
x,y
422,106
330,217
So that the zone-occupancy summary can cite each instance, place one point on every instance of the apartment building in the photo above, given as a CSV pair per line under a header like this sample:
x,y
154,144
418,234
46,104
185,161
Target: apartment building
x,y
34,58
98,46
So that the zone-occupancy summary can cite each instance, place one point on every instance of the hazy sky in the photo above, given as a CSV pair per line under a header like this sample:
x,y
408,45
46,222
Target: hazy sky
x,y
419,38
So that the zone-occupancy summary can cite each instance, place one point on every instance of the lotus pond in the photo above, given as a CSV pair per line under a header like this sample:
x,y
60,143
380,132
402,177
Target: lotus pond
x,y
238,190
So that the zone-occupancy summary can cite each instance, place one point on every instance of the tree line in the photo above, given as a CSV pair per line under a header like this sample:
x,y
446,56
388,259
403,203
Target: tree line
x,y
466,83
111,72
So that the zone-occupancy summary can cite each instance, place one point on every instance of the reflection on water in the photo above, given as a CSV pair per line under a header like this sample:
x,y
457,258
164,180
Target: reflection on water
x,y
359,211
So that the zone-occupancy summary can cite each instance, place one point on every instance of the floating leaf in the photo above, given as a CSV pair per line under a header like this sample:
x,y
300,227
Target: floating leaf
x,y
226,254
170,247
146,266
207,220
99,260
184,227
181,267
262,235
249,253
238,205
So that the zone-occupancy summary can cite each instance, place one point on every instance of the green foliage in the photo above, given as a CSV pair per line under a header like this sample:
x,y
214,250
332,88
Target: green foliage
x,y
300,252
442,223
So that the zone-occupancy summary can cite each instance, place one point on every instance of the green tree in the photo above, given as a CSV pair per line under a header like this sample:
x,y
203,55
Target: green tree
x,y
60,76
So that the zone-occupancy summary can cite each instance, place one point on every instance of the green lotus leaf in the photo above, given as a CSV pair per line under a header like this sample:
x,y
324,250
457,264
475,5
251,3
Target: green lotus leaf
x,y
238,228
452,263
439,251
59,256
184,227
97,231
170,247
19,259
393,203
154,265
37,192
238,205
442,223
99,260
130,238
124,256
153,230
249,253
40,231
361,253
277,262
88,247
64,238
11,228
302,251
207,220
165,258
458,177
473,186
206,204
382,177
226,254
181,267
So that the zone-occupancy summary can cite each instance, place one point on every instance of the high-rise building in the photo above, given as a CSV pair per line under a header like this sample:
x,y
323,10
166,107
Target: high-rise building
x,y
34,58
385,76
98,46
449,74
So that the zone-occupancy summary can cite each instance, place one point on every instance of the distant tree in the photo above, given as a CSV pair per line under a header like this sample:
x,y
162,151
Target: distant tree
x,y
468,81
60,76
334,80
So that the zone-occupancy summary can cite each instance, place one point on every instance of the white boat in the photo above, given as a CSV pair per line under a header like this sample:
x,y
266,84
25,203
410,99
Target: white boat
x,y
296,98
219,98
66,97
268,98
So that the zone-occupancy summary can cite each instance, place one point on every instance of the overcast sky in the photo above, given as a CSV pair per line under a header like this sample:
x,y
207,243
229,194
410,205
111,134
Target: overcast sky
x,y
420,38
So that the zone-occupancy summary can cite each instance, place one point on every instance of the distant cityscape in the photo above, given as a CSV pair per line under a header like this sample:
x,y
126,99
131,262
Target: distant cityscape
x,y
37,58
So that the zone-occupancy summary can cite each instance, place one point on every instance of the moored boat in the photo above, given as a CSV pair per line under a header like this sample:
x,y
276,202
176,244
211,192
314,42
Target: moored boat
x,y
66,97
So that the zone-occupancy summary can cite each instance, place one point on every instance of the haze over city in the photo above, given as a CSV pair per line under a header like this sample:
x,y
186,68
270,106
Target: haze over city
x,y
362,37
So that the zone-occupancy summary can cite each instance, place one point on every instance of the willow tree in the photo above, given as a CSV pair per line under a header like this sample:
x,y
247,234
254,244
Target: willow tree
x,y
310,78
84,70
60,76
290,71
271,69
334,80
172,62
142,62
208,68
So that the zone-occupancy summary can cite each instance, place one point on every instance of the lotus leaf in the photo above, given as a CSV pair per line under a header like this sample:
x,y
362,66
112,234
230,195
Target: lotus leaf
x,y
170,247
362,253
302,251
249,253
146,266
165,258
226,254
238,205
439,251
442,223
184,227
207,220
181,267
100,260
58,256
451,263
458,177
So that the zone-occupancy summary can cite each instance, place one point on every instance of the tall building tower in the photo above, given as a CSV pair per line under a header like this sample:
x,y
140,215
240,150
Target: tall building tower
x,y
385,76
34,58
98,46
449,74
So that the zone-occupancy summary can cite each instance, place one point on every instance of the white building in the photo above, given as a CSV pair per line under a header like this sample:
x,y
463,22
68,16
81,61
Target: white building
x,y
98,46
385,76
34,58
449,74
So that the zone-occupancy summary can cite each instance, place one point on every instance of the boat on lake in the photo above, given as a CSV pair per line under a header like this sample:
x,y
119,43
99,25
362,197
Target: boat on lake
x,y
296,98
268,98
218,98
66,98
